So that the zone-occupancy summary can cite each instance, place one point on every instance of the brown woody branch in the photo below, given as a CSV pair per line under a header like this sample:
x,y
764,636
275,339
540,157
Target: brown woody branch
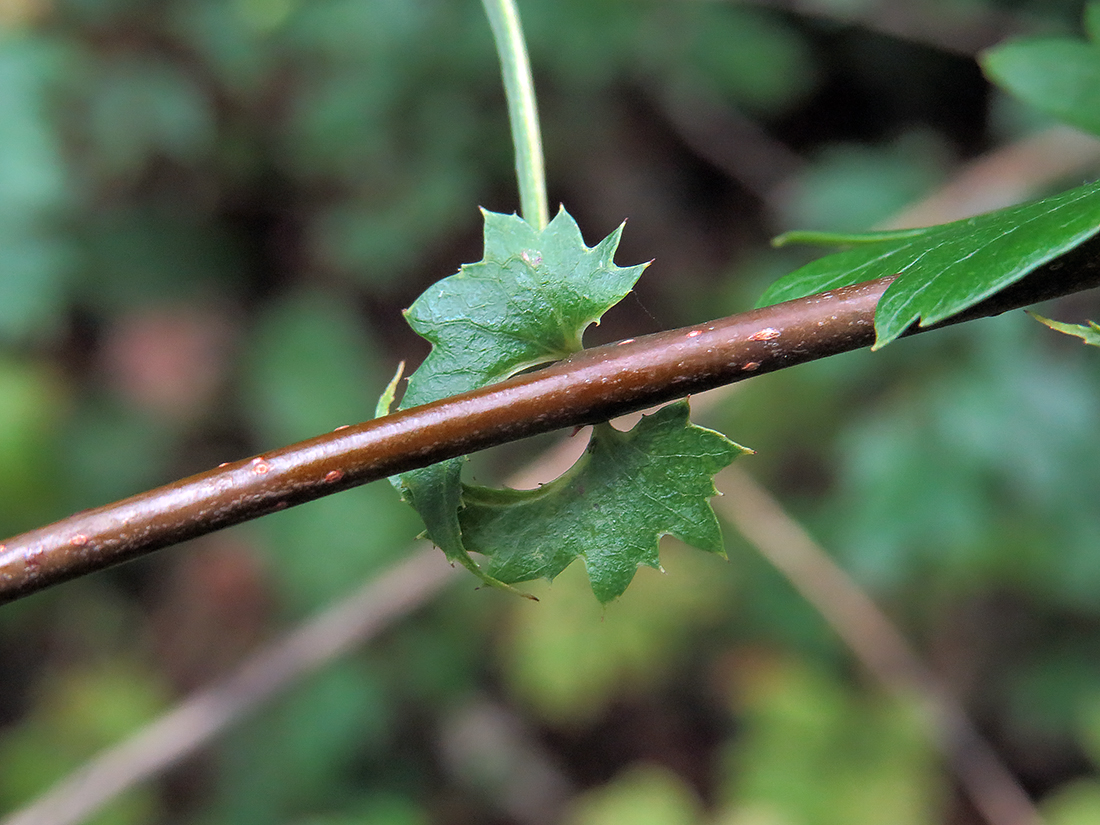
x,y
593,385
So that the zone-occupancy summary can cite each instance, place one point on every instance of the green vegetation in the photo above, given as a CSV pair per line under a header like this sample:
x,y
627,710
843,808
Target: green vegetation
x,y
211,215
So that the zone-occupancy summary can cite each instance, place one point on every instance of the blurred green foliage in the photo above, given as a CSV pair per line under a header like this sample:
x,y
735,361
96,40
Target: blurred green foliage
x,y
1059,76
106,690
211,215
814,752
570,662
647,795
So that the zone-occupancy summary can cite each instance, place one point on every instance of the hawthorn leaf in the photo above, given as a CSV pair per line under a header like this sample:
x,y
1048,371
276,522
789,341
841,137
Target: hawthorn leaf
x,y
610,509
1088,334
942,270
527,302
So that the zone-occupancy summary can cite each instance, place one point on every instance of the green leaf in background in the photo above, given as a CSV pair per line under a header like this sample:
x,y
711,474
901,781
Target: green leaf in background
x,y
813,751
1092,21
141,109
610,508
526,303
852,185
749,56
1058,76
945,269
572,660
31,400
285,760
643,794
1075,803
36,257
1089,334
927,490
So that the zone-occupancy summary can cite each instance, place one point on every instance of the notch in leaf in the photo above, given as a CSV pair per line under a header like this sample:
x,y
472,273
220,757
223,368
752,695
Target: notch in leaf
x,y
528,302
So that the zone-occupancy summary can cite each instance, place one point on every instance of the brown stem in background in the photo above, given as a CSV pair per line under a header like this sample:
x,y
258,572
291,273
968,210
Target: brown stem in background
x,y
190,725
357,619
593,385
878,645
1013,174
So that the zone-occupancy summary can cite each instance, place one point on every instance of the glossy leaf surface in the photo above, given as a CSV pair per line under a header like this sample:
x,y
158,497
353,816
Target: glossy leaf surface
x,y
610,509
526,303
943,270
1056,75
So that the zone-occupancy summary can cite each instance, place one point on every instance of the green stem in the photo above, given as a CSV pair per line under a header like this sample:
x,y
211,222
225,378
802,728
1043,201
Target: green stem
x,y
519,89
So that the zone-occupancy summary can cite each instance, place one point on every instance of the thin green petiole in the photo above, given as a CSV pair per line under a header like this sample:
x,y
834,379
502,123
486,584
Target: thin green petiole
x,y
519,89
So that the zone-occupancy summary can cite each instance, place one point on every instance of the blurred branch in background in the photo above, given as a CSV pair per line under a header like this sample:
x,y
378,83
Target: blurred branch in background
x,y
877,644
487,746
1012,174
379,603
339,629
739,146
192,724
727,138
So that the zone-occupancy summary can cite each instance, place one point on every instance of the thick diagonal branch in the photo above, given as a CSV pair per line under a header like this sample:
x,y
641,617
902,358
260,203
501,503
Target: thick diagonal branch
x,y
591,386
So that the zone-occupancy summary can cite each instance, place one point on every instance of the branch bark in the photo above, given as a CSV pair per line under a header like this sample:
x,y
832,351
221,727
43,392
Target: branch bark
x,y
593,385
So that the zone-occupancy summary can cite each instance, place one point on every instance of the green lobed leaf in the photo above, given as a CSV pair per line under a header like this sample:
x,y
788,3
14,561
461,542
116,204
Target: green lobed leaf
x,y
1089,334
528,302
610,509
945,269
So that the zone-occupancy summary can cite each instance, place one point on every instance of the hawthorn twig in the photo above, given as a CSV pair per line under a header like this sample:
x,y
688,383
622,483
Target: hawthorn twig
x,y
340,628
591,386
356,619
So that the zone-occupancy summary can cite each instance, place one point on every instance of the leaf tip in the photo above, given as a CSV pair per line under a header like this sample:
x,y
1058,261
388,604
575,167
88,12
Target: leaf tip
x,y
1089,335
385,401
